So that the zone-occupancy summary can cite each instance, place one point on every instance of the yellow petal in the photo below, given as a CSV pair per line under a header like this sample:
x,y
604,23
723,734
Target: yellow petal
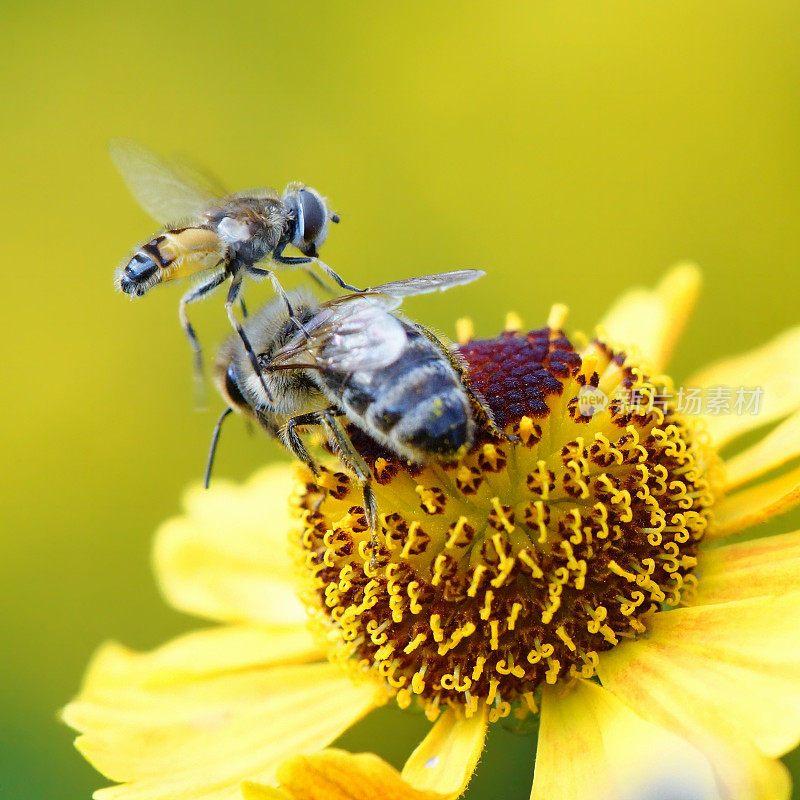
x,y
446,758
653,319
591,745
776,449
226,557
175,733
755,504
338,775
196,655
766,566
773,368
258,791
721,671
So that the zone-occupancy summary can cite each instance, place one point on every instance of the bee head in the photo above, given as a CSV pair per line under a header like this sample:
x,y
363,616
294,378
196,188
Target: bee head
x,y
312,216
228,381
240,386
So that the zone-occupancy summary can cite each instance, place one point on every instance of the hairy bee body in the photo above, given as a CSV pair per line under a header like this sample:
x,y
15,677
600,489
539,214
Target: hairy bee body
x,y
353,360
416,406
293,392
354,357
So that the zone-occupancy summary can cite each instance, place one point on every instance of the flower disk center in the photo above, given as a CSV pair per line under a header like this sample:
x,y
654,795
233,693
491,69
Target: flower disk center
x,y
521,562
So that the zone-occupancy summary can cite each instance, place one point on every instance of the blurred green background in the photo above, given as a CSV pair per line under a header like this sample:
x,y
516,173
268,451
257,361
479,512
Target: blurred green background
x,y
569,148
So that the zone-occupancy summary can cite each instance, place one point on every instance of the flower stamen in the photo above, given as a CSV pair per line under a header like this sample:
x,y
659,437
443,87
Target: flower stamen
x,y
521,562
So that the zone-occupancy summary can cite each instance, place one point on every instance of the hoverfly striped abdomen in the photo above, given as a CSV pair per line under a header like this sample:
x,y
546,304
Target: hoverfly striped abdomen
x,y
227,237
141,272
172,254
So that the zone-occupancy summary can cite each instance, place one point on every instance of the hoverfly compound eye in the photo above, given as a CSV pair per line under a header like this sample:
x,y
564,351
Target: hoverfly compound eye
x,y
312,220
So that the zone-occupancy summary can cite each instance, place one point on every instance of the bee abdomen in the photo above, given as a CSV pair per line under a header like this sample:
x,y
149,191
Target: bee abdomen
x,y
426,409
439,425
402,386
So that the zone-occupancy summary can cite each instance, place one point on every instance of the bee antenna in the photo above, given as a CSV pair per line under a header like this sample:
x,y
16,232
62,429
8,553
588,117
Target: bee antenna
x,y
213,449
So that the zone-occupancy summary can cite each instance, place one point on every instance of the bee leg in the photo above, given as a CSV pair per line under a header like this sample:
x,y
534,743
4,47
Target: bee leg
x,y
291,438
340,441
371,511
233,296
480,405
197,293
243,307
487,417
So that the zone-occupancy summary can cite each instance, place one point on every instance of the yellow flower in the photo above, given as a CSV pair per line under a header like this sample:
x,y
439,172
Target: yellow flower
x,y
591,573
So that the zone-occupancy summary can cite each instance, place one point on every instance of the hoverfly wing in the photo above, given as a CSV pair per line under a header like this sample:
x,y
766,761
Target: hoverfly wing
x,y
197,175
166,191
260,192
389,296
424,284
356,336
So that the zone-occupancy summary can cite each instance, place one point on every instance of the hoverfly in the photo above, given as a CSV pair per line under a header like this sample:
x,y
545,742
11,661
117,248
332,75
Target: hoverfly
x,y
356,360
225,237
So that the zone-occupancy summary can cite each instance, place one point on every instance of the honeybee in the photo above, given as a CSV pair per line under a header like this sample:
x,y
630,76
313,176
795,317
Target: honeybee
x,y
226,236
356,360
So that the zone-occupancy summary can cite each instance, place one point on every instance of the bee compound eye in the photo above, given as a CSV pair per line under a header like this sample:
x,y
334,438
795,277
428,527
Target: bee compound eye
x,y
315,217
235,396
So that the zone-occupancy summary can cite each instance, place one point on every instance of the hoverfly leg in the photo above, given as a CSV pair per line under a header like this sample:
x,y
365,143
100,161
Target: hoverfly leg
x,y
197,293
316,278
233,296
258,272
294,261
291,261
334,276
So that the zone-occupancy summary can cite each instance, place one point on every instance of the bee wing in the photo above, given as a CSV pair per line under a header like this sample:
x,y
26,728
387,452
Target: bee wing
x,y
424,284
165,190
351,337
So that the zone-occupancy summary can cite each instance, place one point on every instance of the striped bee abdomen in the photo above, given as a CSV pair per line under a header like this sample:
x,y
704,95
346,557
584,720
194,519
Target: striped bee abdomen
x,y
416,405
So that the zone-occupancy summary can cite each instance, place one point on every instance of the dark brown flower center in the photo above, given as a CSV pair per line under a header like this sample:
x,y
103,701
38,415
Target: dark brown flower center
x,y
520,563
